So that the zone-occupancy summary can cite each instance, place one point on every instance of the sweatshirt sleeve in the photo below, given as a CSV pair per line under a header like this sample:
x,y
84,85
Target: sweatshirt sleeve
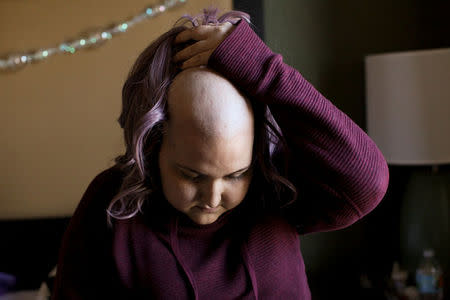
x,y
339,172
85,267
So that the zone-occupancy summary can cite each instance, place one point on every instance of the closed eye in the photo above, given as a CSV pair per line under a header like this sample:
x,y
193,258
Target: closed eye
x,y
238,177
194,178
235,178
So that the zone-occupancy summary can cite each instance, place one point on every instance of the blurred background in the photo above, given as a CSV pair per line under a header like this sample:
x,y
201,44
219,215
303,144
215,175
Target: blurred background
x,y
58,119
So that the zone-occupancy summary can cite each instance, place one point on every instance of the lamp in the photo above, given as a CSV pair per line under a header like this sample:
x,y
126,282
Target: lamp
x,y
408,117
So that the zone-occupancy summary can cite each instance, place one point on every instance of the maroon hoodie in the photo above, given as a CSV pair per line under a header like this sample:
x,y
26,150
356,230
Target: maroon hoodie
x,y
338,170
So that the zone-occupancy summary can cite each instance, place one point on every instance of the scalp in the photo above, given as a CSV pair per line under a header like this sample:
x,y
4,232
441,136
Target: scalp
x,y
201,99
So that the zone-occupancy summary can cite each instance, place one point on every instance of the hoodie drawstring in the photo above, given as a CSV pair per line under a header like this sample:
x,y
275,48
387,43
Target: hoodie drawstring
x,y
179,257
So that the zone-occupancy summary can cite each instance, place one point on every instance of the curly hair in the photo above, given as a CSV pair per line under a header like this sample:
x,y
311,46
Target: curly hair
x,y
144,110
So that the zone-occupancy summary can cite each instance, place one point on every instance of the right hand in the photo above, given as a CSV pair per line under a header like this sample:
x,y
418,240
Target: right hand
x,y
208,38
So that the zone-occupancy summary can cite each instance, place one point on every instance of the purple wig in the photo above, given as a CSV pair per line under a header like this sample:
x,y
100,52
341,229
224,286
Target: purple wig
x,y
144,109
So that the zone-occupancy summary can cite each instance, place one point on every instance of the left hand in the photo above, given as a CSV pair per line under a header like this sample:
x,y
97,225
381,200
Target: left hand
x,y
208,38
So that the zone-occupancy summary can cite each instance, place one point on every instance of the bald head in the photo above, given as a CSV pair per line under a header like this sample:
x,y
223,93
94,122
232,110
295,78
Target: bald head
x,y
203,101
206,153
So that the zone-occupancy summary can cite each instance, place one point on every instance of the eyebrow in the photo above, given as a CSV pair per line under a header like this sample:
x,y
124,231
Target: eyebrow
x,y
201,174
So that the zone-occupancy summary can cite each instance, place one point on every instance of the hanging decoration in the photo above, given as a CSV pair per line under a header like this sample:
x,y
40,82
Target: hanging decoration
x,y
17,60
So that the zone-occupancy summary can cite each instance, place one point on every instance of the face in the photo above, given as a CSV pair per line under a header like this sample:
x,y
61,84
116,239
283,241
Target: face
x,y
206,171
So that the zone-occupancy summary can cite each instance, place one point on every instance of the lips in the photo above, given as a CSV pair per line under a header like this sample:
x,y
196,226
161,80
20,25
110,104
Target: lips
x,y
208,209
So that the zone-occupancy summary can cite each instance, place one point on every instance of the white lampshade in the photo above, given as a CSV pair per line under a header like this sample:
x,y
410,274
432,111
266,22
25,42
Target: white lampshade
x,y
408,105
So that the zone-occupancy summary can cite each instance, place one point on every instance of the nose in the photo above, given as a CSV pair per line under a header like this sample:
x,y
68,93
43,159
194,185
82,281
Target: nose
x,y
212,194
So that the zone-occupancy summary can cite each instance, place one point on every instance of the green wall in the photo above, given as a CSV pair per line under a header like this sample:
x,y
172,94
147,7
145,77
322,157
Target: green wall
x,y
327,41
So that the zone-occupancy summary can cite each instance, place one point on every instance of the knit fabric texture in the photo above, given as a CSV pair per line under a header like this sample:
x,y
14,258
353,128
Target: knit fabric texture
x,y
339,173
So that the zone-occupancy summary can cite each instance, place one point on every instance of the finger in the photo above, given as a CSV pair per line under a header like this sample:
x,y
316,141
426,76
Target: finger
x,y
198,60
196,33
192,50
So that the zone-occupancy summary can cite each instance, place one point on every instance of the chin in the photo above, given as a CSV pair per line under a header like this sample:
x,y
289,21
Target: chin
x,y
204,219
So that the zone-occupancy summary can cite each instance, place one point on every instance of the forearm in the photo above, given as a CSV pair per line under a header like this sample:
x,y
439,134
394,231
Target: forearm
x,y
330,151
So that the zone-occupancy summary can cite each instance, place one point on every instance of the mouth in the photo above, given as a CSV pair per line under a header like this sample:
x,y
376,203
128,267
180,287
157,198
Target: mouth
x,y
209,210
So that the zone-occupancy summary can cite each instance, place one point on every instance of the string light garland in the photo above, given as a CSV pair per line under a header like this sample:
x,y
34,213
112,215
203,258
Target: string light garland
x,y
18,60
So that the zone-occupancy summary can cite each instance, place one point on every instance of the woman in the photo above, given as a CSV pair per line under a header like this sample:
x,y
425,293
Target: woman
x,y
230,156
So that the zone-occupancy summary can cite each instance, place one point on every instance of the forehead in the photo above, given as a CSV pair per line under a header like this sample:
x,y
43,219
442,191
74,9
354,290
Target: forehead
x,y
212,155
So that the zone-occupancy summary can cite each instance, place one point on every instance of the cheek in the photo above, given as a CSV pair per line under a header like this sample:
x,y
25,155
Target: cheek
x,y
237,192
178,192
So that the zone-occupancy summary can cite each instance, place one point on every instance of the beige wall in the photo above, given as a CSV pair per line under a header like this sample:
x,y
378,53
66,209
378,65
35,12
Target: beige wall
x,y
58,124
